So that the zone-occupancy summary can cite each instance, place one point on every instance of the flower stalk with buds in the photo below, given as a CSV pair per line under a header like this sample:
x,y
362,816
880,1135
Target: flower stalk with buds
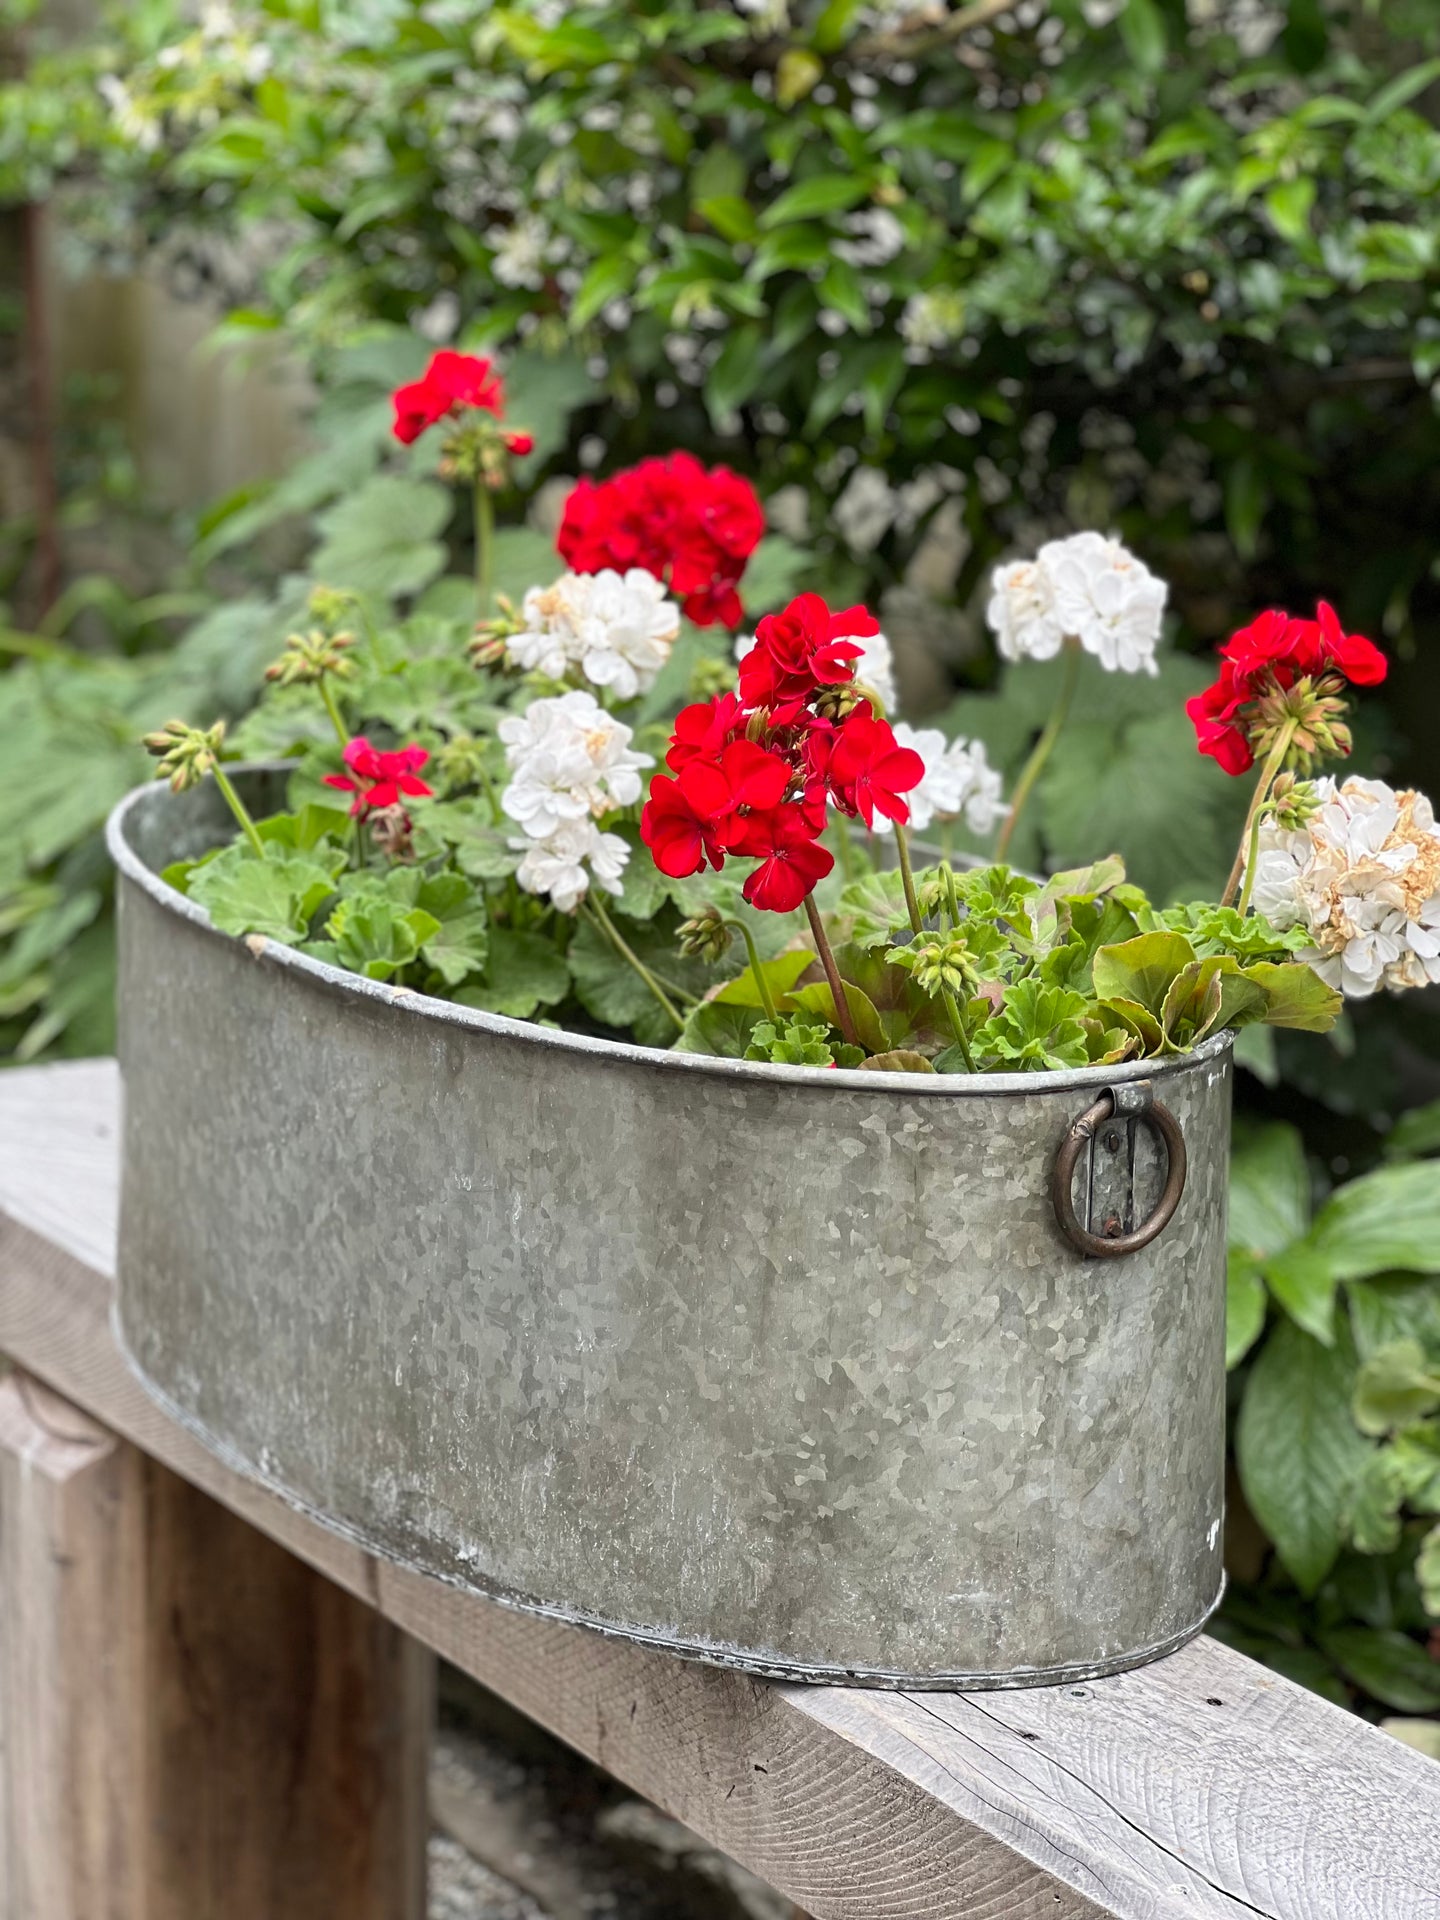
x,y
186,754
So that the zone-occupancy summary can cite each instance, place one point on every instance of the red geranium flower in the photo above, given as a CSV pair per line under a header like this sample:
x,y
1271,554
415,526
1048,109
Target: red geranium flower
x,y
380,778
1260,668
703,731
690,526
451,380
804,647
869,770
792,862
694,818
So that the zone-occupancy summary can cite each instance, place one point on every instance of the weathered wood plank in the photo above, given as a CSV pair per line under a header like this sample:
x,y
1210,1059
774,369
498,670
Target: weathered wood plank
x,y
71,1730
192,1721
1200,1786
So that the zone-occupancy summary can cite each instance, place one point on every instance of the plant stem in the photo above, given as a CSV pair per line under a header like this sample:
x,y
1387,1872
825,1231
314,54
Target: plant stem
x,y
1250,834
484,532
238,808
760,981
612,933
497,812
832,972
957,1027
1035,765
327,694
907,879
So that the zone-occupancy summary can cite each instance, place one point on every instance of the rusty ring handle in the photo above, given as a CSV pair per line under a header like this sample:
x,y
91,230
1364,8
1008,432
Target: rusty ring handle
x,y
1081,1133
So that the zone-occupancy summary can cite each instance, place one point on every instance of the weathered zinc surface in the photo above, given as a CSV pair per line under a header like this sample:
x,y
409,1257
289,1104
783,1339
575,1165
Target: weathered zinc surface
x,y
790,1369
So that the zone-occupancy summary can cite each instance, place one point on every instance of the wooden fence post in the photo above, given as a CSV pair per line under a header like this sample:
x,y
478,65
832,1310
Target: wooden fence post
x,y
194,1725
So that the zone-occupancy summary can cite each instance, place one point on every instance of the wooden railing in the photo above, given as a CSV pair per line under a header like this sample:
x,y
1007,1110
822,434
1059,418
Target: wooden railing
x,y
215,1708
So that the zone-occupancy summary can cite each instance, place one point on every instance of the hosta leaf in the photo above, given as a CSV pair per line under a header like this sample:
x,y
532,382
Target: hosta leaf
x,y
1387,1663
1397,1385
1244,1308
1297,1448
1383,1220
1269,1188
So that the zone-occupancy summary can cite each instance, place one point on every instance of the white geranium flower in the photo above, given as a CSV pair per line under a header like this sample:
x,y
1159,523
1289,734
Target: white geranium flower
x,y
615,629
520,252
568,759
1108,599
557,865
933,319
876,236
1363,878
133,121
959,782
1022,612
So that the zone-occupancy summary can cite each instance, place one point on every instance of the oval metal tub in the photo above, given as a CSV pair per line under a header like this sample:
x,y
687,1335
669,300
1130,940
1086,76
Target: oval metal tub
x,y
780,1368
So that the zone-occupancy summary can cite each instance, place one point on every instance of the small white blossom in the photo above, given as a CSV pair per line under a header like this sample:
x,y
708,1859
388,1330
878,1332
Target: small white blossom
x,y
1363,878
959,781
520,253
557,865
1106,598
876,237
569,760
138,123
865,510
933,319
615,629
1022,612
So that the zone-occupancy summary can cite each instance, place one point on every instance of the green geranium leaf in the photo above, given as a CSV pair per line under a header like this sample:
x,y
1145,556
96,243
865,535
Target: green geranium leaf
x,y
1415,1134
375,936
1297,1448
1037,1027
779,974
719,1028
482,849
875,907
523,971
1295,995
864,1018
1397,1385
610,989
277,896
304,830
1142,969
460,942
901,1060
793,1043
383,539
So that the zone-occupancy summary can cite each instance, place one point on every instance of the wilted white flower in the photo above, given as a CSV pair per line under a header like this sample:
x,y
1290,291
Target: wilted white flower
x,y
1022,612
569,760
959,781
557,865
616,629
1363,878
1108,599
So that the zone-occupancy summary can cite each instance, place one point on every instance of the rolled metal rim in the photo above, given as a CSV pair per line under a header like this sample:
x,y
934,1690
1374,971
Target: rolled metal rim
x,y
422,1006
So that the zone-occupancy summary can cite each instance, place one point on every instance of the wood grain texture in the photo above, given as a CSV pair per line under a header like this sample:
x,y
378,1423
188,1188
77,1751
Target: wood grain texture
x,y
1202,1785
71,1554
194,1725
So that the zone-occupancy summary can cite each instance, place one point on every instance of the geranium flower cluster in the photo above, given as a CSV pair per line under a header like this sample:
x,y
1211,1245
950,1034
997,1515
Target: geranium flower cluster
x,y
874,666
570,764
1361,874
452,385
752,774
1086,588
692,527
613,629
1280,672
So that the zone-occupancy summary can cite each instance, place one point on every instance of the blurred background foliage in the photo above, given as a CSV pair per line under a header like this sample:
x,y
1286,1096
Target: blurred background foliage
x,y
945,281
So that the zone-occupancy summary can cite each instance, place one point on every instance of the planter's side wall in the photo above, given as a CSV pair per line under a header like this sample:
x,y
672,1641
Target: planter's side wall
x,y
797,1373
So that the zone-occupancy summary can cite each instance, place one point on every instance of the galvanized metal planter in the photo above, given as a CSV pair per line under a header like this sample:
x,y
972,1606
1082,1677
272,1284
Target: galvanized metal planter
x,y
785,1369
